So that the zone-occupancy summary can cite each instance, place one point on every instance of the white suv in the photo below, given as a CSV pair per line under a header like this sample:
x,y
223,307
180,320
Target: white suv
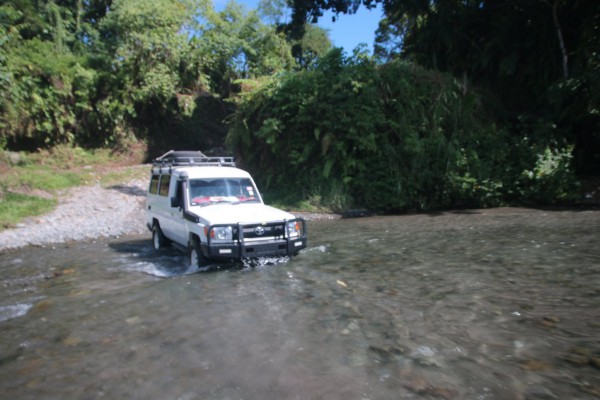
x,y
212,210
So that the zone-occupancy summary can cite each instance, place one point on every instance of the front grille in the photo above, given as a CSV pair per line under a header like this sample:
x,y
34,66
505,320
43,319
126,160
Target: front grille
x,y
264,231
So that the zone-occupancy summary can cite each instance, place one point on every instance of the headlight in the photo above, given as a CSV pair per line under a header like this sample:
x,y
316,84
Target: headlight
x,y
222,234
294,229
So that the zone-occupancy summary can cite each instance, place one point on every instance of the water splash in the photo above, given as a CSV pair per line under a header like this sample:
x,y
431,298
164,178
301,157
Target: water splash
x,y
13,311
150,268
321,248
261,262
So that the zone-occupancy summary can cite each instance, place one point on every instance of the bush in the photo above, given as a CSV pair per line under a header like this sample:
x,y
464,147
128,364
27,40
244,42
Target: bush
x,y
385,137
551,180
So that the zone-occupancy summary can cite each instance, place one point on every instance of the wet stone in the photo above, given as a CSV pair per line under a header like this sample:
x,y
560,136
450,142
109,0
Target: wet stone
x,y
539,393
577,359
71,341
593,390
536,365
594,324
386,353
427,357
42,305
417,385
549,321
581,350
423,387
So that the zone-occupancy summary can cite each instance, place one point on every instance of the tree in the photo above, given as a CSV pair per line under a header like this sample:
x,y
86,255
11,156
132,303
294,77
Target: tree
x,y
46,83
313,45
146,42
275,12
312,42
532,57
235,44
390,137
146,46
311,10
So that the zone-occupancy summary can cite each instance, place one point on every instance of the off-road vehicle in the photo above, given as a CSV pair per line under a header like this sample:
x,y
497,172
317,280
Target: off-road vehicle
x,y
213,210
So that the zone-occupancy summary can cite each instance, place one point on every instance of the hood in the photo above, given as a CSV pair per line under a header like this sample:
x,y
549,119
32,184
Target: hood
x,y
228,213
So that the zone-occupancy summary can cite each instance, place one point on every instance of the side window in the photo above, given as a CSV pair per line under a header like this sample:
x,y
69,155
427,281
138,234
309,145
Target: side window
x,y
178,194
163,189
154,184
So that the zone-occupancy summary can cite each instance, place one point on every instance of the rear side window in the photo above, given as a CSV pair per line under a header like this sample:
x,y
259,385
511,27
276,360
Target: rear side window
x,y
163,189
154,184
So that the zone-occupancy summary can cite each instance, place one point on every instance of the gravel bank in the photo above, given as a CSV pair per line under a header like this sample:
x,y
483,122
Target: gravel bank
x,y
84,213
91,212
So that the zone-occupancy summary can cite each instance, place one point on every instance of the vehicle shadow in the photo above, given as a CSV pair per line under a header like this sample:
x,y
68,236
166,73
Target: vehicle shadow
x,y
129,190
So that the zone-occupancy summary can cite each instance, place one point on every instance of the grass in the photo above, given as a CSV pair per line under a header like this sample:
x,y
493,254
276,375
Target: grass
x,y
41,177
125,174
31,182
15,206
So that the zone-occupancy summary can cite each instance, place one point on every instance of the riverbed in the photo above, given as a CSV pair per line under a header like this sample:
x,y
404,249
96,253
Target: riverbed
x,y
481,304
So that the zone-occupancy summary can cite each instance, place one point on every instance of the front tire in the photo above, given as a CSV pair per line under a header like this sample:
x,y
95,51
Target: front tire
x,y
195,256
159,241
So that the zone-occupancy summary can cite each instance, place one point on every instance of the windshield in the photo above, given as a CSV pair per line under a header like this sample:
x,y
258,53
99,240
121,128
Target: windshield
x,y
220,190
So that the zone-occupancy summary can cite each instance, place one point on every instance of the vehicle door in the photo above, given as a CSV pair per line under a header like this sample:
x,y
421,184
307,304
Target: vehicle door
x,y
152,199
162,207
178,226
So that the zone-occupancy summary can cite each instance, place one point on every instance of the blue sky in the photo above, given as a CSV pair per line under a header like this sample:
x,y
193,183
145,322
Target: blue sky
x,y
348,31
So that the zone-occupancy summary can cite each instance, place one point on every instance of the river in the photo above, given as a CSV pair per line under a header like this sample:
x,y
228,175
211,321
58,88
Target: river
x,y
484,304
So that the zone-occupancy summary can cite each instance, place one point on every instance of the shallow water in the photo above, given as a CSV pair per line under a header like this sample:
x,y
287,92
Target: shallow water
x,y
494,304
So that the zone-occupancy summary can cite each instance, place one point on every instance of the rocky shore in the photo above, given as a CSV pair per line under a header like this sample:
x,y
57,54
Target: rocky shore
x,y
84,213
91,212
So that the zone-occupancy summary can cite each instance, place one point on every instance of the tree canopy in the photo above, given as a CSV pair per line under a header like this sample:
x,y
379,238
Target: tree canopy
x,y
537,59
103,72
463,103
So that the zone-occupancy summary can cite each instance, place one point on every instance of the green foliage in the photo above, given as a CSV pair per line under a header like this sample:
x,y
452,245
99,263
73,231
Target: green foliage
x,y
235,44
34,177
107,73
391,137
145,66
538,58
14,207
312,46
68,157
146,46
514,110
61,167
45,87
551,180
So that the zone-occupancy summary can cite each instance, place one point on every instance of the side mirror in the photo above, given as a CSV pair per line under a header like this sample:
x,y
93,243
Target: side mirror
x,y
175,202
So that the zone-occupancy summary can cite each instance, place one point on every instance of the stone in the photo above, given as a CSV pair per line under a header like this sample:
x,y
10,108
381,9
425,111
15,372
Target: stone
x,y
539,392
576,359
536,365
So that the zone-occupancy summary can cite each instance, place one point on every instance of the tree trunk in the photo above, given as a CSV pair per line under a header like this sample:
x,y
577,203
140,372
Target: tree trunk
x,y
561,42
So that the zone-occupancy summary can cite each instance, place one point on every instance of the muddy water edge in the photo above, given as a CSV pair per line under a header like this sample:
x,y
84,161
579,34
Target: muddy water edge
x,y
484,304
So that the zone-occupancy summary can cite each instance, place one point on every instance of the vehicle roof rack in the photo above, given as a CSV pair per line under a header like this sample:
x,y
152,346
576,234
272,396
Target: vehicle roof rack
x,y
191,158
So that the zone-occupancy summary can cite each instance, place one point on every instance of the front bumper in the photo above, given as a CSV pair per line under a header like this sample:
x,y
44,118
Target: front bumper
x,y
244,247
237,251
